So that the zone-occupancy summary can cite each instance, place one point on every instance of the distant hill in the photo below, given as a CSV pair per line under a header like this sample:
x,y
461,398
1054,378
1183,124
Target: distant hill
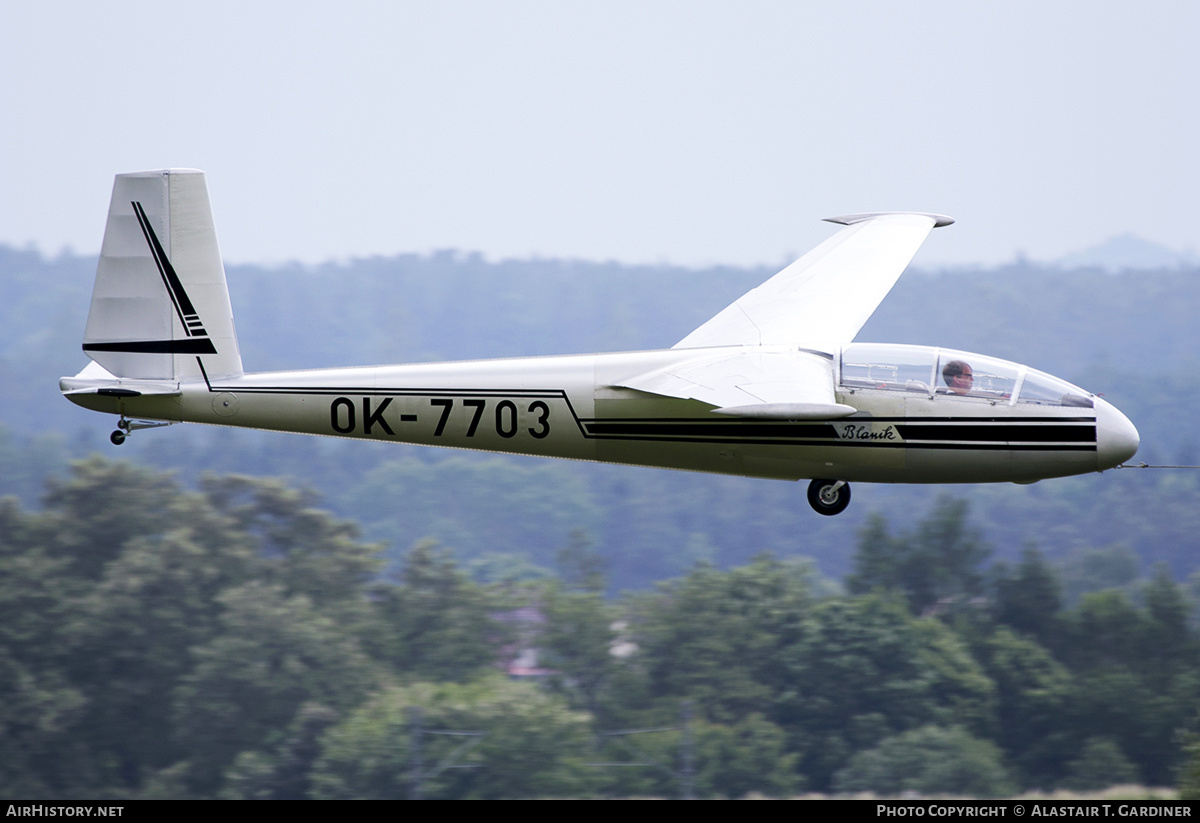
x,y
1128,251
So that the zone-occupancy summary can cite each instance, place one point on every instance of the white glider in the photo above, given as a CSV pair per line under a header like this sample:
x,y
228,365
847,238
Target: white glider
x,y
772,386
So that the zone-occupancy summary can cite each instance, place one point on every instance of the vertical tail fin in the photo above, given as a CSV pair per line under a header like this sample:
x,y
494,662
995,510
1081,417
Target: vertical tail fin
x,y
160,306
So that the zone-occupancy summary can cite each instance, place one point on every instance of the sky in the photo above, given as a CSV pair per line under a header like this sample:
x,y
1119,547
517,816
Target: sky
x,y
691,133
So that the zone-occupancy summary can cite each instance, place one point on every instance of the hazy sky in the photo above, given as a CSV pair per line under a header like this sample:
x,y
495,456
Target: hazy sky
x,y
682,132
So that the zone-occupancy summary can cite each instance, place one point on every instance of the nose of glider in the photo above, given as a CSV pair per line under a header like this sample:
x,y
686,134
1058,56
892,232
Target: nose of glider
x,y
1116,438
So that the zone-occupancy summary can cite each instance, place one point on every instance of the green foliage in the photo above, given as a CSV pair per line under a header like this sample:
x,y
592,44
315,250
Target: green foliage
x,y
158,632
474,503
723,638
310,553
580,565
506,567
713,760
1105,628
531,744
273,654
1189,773
1028,600
1119,704
935,566
1033,691
961,691
39,708
930,761
1091,570
236,641
1100,764
434,624
91,516
1168,637
864,672
578,641
744,757
285,772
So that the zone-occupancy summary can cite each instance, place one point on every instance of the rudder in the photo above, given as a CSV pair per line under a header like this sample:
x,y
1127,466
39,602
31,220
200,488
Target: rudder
x,y
160,305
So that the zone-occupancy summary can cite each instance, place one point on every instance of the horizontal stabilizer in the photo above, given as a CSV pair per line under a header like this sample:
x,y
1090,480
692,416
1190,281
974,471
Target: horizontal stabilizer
x,y
95,379
123,391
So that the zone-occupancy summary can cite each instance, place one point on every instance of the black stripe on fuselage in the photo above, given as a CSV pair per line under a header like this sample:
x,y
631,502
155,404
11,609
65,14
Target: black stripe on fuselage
x,y
1051,433
704,428
1036,432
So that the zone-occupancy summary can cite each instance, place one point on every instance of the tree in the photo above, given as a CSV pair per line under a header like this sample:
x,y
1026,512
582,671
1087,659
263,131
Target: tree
x,y
730,761
284,773
126,565
302,548
1100,764
1029,600
1168,635
861,673
89,518
434,623
1189,773
747,756
1033,693
273,655
1105,629
928,760
149,635
723,638
1135,674
1093,570
40,705
960,689
580,566
935,566
577,644
532,744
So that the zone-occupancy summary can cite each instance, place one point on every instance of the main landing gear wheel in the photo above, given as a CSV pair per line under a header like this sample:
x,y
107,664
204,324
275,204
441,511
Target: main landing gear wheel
x,y
127,427
829,497
124,427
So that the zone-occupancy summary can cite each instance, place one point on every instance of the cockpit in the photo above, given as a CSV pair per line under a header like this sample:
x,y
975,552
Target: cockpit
x,y
959,375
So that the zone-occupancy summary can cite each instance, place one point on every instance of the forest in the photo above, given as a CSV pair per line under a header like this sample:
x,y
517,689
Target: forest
x,y
244,614
237,641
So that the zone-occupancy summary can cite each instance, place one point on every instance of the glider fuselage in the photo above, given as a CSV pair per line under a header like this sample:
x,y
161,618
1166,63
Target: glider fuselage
x,y
771,386
574,407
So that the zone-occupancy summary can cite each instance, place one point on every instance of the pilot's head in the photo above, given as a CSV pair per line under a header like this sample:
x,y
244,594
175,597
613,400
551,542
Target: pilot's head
x,y
958,376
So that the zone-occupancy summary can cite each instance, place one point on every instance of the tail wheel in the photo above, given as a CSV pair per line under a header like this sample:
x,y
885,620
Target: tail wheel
x,y
829,497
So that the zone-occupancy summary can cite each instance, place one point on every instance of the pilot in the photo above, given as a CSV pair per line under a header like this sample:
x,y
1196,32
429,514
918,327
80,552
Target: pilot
x,y
958,376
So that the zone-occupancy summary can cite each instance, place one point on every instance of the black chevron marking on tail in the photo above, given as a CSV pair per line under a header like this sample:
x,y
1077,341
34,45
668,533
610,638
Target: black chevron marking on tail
x,y
192,324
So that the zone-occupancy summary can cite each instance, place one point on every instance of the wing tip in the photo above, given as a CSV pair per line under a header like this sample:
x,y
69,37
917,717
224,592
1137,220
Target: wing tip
x,y
939,220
